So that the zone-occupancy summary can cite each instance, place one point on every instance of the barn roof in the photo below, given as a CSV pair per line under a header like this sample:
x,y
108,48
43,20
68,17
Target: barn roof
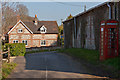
x,y
87,11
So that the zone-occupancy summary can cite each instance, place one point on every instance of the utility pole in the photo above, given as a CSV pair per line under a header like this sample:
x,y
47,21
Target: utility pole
x,y
85,8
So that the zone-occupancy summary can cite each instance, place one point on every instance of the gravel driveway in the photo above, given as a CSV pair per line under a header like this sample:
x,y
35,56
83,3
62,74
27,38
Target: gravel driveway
x,y
49,65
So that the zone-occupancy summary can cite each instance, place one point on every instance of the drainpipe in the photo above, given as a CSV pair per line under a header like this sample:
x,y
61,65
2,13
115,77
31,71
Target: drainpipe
x,y
109,10
75,30
115,10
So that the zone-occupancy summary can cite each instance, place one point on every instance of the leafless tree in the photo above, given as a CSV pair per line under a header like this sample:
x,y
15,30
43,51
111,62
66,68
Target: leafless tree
x,y
21,10
10,10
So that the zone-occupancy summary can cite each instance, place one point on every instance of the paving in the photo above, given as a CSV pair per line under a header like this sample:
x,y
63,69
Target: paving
x,y
49,65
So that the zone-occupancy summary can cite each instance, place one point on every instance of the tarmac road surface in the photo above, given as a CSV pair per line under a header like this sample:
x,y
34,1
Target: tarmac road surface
x,y
49,65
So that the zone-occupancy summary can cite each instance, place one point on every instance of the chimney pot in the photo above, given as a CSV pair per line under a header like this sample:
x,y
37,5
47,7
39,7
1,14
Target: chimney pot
x,y
35,21
35,15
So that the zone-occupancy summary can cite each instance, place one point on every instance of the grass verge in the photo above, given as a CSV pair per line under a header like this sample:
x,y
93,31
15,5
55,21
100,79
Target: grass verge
x,y
7,68
92,56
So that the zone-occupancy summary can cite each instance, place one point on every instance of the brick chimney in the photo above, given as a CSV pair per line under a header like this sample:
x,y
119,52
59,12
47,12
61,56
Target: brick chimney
x,y
35,20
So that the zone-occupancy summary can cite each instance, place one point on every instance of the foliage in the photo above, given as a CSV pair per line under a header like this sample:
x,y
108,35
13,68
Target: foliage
x,y
7,68
60,34
16,49
61,29
69,17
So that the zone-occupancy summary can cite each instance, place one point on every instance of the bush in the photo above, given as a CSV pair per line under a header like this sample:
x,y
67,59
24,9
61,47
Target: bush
x,y
16,49
7,68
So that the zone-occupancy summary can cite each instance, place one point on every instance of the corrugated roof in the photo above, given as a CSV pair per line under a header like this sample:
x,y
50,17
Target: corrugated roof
x,y
87,11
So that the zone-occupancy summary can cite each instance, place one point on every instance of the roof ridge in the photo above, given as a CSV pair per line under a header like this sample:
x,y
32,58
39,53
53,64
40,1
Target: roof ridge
x,y
47,21
38,21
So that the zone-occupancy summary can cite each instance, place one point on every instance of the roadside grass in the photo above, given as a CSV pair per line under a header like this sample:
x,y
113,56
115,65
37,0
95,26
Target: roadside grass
x,y
7,69
92,56
114,62
88,55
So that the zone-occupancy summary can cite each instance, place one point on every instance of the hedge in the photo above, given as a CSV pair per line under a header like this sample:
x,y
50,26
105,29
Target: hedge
x,y
16,49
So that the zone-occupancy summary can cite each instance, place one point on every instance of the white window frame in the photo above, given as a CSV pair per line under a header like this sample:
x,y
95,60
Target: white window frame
x,y
41,29
25,42
15,41
44,43
20,30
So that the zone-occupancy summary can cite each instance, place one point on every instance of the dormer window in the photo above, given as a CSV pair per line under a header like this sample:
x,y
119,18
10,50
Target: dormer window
x,y
20,31
43,29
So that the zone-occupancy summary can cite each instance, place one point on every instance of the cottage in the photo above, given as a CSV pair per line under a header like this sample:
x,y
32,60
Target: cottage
x,y
34,33
83,30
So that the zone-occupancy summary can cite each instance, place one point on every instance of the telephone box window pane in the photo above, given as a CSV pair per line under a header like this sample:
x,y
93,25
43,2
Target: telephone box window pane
x,y
102,29
101,53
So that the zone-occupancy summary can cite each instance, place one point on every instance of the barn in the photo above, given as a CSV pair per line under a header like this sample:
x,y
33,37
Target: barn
x,y
83,30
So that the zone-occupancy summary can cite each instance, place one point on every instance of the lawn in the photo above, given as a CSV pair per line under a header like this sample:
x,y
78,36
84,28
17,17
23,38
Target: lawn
x,y
92,56
7,69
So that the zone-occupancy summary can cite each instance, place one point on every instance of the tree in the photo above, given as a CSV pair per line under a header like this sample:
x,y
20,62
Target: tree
x,y
8,15
60,34
69,17
61,30
10,11
22,10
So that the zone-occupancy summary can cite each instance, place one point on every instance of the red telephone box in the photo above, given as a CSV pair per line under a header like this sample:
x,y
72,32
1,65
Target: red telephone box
x,y
109,39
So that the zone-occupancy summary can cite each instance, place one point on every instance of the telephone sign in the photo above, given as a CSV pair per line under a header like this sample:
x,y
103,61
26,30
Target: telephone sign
x,y
109,39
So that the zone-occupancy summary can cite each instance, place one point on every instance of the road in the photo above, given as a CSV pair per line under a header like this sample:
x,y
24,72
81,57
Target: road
x,y
49,65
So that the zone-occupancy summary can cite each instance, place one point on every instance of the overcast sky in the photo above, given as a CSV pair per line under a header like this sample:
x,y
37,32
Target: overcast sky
x,y
56,11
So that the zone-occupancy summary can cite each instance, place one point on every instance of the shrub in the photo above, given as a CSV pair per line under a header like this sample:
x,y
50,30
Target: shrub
x,y
7,68
16,49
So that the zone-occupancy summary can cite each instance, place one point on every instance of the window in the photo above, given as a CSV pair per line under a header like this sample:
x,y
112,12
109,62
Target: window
x,y
20,31
15,41
24,41
43,42
43,29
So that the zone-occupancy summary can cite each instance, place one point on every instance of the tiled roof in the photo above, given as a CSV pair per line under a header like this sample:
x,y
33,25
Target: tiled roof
x,y
51,26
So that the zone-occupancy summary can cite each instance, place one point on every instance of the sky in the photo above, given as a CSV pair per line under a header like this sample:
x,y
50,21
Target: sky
x,y
55,11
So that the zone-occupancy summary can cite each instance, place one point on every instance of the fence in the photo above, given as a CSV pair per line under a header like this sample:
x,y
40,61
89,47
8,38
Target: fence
x,y
4,52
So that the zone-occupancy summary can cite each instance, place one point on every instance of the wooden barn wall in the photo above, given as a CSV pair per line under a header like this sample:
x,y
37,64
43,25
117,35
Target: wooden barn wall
x,y
88,27
100,14
78,32
68,30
